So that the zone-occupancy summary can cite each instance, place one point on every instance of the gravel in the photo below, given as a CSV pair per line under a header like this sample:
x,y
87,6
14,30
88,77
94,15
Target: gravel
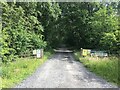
x,y
62,71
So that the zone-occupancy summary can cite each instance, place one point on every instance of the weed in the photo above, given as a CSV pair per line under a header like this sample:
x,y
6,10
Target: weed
x,y
104,67
15,72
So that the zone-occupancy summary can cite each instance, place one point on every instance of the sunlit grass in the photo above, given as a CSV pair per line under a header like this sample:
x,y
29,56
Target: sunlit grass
x,y
104,67
15,72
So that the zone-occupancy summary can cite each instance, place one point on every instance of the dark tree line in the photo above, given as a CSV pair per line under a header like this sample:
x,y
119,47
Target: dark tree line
x,y
89,25
31,25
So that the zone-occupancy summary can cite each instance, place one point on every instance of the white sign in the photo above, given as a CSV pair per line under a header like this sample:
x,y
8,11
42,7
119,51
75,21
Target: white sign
x,y
34,52
38,55
38,51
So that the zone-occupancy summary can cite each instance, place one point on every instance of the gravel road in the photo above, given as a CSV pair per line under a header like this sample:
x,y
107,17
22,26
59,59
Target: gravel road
x,y
62,71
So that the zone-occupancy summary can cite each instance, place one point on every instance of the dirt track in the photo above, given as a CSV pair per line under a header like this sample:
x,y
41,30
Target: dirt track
x,y
62,71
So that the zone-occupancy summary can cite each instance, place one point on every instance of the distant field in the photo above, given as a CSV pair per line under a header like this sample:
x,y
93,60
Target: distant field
x,y
104,67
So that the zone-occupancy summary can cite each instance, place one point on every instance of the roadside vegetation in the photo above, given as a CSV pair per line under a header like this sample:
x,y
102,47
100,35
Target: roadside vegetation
x,y
15,72
106,67
34,25
28,26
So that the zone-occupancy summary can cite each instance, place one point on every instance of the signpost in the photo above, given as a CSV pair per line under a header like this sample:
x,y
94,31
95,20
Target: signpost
x,y
88,52
34,52
101,54
38,53
85,52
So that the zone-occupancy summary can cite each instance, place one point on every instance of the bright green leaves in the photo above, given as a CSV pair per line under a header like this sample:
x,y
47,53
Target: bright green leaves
x,y
21,30
24,24
31,25
105,25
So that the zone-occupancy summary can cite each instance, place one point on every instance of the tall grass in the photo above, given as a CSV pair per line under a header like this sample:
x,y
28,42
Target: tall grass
x,y
104,67
15,72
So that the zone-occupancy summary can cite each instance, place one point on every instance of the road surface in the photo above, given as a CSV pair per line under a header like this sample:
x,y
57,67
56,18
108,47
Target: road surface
x,y
62,71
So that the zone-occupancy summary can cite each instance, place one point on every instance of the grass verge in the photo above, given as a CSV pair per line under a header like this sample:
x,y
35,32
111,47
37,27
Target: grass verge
x,y
104,67
15,72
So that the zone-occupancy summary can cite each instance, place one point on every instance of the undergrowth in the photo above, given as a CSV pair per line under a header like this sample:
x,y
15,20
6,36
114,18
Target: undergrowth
x,y
15,72
104,67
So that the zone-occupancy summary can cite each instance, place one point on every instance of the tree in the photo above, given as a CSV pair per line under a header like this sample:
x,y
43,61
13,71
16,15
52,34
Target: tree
x,y
23,30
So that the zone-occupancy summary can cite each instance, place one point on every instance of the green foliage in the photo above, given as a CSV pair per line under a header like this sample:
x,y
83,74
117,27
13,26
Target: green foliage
x,y
104,67
15,72
48,15
32,25
105,25
88,25
21,31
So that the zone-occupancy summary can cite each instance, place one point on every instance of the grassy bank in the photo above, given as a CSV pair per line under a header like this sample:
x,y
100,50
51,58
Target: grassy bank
x,y
15,72
104,67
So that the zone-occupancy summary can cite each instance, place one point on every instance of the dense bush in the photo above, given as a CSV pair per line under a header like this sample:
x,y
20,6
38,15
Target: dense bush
x,y
22,30
90,25
31,25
